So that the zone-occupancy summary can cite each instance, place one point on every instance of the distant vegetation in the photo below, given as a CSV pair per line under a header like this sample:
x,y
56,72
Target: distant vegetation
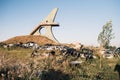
x,y
106,35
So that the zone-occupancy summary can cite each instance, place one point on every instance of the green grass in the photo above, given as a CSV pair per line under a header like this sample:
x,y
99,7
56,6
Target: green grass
x,y
41,68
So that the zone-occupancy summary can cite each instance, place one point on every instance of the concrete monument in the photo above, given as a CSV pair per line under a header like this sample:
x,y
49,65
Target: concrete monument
x,y
47,24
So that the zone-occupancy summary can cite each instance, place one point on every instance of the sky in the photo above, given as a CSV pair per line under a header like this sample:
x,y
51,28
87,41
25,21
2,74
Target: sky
x,y
80,20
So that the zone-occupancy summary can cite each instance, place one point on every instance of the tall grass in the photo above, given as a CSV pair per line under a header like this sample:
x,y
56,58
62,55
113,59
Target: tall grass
x,y
17,64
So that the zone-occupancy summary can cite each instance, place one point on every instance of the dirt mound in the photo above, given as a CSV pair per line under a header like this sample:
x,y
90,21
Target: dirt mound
x,y
30,38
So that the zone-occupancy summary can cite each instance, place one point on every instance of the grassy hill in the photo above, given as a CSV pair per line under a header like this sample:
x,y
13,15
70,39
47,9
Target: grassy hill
x,y
30,38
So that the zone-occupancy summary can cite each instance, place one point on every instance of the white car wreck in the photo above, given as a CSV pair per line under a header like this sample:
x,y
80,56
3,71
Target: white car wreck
x,y
107,53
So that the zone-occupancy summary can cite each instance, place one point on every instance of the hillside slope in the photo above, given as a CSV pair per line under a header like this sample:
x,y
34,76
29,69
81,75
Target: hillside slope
x,y
30,38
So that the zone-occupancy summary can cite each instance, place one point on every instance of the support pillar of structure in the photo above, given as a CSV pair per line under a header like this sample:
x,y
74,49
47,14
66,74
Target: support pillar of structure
x,y
47,24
